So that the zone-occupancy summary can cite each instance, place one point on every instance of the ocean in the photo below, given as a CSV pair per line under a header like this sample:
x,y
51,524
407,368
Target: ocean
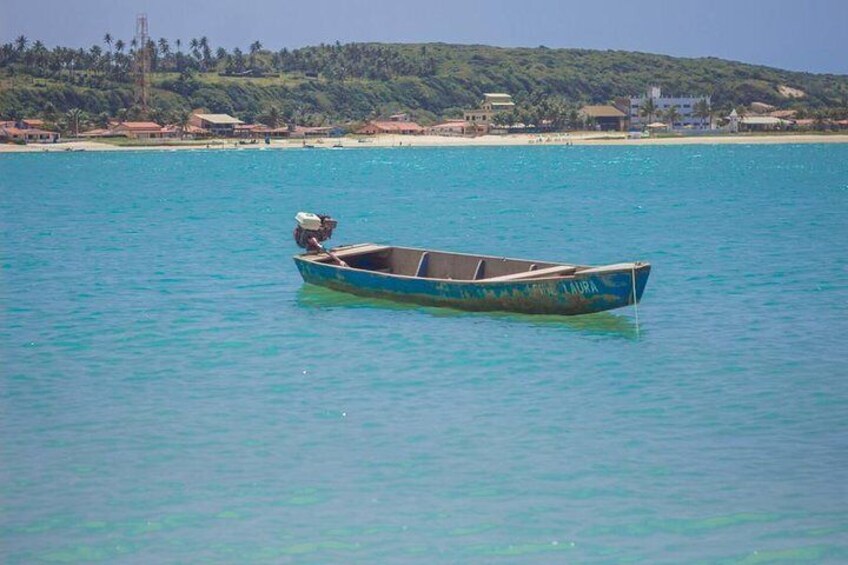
x,y
173,392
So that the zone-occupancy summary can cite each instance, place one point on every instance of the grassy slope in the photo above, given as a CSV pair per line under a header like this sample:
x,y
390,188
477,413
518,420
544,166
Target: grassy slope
x,y
463,74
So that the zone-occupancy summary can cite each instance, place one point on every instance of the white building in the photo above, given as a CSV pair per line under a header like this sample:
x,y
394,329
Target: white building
x,y
685,109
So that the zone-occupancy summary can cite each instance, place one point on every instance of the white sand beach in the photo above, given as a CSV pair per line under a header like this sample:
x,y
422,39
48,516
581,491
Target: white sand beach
x,y
580,138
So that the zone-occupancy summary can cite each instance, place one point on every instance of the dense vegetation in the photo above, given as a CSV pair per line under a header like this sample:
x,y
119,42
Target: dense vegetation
x,y
341,83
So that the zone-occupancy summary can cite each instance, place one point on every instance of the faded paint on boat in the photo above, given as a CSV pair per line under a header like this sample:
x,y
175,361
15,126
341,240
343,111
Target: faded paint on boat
x,y
594,290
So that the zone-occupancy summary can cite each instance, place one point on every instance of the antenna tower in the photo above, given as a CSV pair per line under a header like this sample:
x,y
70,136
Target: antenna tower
x,y
142,61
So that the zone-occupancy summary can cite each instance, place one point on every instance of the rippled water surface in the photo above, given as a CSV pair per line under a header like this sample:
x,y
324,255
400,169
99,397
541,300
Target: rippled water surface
x,y
171,391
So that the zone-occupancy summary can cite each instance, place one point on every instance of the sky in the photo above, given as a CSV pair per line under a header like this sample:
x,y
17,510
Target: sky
x,y
803,35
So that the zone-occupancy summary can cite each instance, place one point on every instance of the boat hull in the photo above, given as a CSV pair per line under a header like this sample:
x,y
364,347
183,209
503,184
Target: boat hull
x,y
579,294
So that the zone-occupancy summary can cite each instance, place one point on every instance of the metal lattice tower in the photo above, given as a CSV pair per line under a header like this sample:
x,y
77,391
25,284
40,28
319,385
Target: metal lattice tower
x,y
142,61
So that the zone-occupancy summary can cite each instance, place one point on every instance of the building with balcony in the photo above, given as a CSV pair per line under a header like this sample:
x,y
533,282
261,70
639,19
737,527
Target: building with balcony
x,y
493,103
685,106
222,125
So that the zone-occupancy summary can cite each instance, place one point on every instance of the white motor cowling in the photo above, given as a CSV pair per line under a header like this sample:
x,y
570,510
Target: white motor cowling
x,y
308,220
312,229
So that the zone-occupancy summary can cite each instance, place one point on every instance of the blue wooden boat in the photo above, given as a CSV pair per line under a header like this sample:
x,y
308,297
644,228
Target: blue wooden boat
x,y
474,282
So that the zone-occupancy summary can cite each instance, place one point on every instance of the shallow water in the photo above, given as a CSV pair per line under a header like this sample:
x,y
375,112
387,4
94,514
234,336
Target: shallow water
x,y
171,391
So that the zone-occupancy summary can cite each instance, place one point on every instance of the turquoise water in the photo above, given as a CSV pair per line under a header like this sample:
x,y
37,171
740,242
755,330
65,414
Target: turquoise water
x,y
171,392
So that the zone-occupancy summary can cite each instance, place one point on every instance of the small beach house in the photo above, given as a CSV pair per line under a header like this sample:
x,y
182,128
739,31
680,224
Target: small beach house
x,y
27,131
138,130
390,127
605,117
451,128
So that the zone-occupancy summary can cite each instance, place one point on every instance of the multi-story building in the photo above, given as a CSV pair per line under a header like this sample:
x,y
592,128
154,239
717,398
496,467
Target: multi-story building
x,y
217,124
493,103
685,106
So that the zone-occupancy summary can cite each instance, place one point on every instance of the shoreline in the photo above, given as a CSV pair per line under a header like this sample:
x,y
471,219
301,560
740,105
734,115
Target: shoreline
x,y
383,141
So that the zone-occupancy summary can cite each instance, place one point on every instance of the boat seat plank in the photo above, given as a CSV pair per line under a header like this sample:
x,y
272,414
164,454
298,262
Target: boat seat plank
x,y
352,250
423,263
480,271
535,274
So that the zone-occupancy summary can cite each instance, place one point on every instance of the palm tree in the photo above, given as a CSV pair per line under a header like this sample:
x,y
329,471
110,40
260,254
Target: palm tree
x,y
96,54
179,56
194,45
164,52
820,118
119,45
702,110
741,111
206,51
501,119
75,115
103,120
21,43
648,110
272,120
38,55
238,60
573,119
255,47
183,120
107,39
672,115
153,53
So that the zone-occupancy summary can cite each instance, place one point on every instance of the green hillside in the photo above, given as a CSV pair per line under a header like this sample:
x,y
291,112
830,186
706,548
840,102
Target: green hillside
x,y
354,82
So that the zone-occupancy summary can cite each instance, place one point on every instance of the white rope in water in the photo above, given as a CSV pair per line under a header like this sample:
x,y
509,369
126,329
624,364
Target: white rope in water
x,y
635,306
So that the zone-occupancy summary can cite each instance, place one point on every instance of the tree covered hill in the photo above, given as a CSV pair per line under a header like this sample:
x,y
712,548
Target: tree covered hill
x,y
337,83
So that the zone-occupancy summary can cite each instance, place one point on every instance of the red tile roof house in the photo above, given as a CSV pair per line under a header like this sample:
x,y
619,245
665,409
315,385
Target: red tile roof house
x,y
171,131
176,131
452,127
282,131
402,128
250,130
285,131
28,135
139,130
28,123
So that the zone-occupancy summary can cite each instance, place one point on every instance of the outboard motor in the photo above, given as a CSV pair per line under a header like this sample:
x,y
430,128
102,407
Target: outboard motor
x,y
311,230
